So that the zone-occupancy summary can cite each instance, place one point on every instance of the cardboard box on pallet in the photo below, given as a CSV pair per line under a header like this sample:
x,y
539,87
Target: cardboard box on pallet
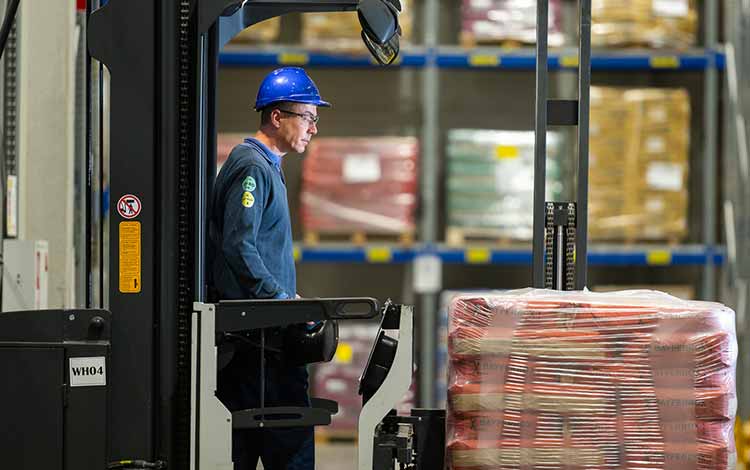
x,y
341,31
507,21
639,164
363,184
649,23
490,181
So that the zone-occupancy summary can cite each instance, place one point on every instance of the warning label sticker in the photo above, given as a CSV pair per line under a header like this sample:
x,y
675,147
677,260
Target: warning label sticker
x,y
129,206
130,257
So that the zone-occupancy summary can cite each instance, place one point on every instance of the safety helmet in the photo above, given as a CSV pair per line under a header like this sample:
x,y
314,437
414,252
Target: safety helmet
x,y
288,84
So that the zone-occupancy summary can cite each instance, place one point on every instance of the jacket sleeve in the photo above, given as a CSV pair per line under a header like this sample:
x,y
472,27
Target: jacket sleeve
x,y
245,201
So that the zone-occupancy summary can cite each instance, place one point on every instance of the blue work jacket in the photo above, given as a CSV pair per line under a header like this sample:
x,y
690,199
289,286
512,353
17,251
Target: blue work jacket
x,y
250,233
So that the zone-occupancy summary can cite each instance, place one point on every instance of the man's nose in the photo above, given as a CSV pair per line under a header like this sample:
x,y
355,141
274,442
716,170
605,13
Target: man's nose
x,y
312,128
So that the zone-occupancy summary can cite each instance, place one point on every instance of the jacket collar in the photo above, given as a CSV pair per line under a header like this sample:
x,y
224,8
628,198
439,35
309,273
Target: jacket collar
x,y
272,158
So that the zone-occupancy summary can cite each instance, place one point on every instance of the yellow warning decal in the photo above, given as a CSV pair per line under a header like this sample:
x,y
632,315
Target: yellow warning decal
x,y
659,258
484,60
293,58
665,62
344,353
569,61
379,255
478,256
506,151
130,257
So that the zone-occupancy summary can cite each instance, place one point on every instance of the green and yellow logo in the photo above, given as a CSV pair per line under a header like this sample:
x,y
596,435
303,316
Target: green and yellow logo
x,y
249,184
247,199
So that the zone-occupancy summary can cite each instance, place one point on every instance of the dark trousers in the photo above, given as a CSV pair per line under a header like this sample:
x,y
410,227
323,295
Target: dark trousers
x,y
239,388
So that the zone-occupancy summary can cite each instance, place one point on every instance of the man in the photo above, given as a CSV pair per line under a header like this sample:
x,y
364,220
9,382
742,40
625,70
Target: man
x,y
251,257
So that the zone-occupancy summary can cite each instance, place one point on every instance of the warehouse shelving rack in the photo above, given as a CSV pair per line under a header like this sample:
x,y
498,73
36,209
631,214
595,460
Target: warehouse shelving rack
x,y
429,60
482,57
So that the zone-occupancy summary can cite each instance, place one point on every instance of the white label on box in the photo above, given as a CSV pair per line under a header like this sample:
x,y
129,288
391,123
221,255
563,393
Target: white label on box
x,y
656,145
654,205
336,386
664,176
428,274
671,8
88,371
361,168
658,114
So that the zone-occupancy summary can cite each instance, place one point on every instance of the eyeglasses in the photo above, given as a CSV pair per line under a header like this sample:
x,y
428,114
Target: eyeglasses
x,y
307,117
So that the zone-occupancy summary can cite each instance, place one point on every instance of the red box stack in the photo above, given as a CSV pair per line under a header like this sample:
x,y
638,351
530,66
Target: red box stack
x,y
366,185
581,380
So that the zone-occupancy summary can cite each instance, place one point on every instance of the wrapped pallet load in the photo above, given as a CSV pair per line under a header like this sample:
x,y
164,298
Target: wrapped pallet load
x,y
364,185
639,164
341,31
582,380
490,183
509,22
645,23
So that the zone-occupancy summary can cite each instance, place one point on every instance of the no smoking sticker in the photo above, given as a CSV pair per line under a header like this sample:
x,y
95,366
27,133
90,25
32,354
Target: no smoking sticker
x,y
129,206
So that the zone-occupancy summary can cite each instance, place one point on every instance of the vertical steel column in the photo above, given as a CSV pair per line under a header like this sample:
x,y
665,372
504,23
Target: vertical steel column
x,y
584,94
204,68
429,163
540,146
81,229
710,144
167,446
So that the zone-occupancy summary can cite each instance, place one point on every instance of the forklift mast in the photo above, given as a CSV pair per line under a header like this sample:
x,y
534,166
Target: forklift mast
x,y
560,228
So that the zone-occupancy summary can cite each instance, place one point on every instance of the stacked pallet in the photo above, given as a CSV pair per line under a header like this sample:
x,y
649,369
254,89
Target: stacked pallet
x,y
490,183
360,185
646,23
342,31
580,380
509,22
639,164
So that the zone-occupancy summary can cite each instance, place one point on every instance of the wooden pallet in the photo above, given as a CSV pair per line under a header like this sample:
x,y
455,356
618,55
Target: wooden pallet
x,y
335,436
358,238
461,236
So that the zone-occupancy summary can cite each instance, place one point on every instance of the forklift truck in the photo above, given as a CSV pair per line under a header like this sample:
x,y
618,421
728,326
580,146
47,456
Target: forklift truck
x,y
147,396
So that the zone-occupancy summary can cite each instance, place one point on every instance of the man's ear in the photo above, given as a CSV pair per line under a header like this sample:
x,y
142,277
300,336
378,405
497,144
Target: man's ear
x,y
275,118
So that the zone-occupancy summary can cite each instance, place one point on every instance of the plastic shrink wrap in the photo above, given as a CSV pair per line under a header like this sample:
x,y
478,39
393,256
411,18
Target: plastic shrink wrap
x,y
364,184
582,380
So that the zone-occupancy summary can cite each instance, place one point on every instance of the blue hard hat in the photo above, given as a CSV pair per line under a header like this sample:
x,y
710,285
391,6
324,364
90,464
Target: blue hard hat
x,y
288,84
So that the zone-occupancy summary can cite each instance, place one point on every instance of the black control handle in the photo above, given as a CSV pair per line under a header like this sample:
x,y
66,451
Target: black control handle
x,y
355,308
